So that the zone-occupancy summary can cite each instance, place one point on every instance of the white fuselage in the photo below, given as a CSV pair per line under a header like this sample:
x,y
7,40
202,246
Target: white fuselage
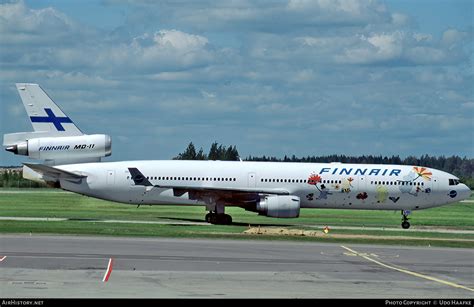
x,y
318,185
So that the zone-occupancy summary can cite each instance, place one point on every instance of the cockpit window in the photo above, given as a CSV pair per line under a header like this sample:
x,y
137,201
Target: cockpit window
x,y
453,181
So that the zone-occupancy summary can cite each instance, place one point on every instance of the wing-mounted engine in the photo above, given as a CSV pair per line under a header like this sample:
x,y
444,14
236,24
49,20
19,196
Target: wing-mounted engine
x,y
281,206
67,149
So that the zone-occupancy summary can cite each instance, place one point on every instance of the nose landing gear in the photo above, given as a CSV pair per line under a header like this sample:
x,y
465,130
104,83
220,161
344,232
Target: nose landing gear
x,y
405,223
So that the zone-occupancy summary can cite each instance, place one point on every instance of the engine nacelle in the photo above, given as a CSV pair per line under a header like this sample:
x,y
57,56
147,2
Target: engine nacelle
x,y
65,148
279,206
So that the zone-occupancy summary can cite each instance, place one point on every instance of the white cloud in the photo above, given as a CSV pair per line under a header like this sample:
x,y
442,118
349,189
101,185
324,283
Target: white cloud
x,y
300,72
375,48
177,40
167,48
400,20
22,25
453,36
266,16
402,48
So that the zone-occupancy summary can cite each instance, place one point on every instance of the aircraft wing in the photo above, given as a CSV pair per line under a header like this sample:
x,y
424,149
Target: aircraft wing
x,y
184,189
55,173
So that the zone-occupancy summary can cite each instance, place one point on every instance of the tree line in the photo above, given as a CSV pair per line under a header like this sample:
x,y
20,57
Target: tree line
x,y
216,152
13,178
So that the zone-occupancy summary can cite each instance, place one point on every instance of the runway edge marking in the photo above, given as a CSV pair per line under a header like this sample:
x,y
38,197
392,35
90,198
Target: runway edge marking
x,y
109,270
409,272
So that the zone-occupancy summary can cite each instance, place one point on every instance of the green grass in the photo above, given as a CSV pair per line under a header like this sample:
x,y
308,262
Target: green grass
x,y
85,213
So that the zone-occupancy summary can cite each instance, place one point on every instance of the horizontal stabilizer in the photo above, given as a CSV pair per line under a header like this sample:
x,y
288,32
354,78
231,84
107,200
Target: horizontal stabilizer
x,y
19,137
54,173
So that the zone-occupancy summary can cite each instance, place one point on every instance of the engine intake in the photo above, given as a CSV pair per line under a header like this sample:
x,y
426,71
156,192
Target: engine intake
x,y
279,206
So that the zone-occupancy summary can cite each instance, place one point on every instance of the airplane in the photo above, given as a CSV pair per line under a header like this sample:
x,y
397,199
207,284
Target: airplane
x,y
71,160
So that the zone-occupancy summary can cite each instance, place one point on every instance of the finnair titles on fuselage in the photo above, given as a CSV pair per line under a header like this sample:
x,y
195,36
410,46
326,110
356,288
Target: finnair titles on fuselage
x,y
72,162
361,171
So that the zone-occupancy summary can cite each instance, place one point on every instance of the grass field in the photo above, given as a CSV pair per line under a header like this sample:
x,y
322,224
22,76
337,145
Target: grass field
x,y
87,215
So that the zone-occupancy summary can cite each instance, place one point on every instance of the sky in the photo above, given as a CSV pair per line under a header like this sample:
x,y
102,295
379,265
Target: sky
x,y
282,77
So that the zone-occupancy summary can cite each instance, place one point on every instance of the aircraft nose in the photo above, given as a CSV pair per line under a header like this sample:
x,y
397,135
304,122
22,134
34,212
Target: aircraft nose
x,y
464,192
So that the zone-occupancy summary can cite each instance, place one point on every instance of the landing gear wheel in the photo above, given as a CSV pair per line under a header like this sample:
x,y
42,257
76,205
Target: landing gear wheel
x,y
405,223
213,218
220,219
227,219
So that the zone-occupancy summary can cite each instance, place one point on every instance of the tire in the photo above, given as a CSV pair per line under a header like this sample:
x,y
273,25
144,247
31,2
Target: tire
x,y
405,225
213,219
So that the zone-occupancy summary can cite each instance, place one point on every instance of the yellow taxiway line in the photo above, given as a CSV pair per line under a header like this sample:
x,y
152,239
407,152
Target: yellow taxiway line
x,y
444,282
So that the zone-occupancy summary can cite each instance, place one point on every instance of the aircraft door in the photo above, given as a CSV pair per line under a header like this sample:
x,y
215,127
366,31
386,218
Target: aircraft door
x,y
251,180
360,183
430,187
110,177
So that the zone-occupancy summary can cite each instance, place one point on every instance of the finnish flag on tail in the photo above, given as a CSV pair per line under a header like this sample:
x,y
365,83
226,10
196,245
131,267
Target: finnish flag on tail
x,y
44,114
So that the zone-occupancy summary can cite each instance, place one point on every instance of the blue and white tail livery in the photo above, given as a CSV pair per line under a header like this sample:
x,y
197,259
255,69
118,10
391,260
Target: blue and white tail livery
x,y
44,114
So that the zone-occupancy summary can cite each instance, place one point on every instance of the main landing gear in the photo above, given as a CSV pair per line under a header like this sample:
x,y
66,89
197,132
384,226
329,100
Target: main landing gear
x,y
405,223
218,218
217,214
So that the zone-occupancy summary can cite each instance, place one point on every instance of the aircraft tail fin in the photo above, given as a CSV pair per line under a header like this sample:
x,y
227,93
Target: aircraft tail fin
x,y
44,114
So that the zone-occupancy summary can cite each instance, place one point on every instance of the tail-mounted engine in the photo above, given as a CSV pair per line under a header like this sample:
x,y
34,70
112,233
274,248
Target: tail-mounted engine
x,y
64,148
